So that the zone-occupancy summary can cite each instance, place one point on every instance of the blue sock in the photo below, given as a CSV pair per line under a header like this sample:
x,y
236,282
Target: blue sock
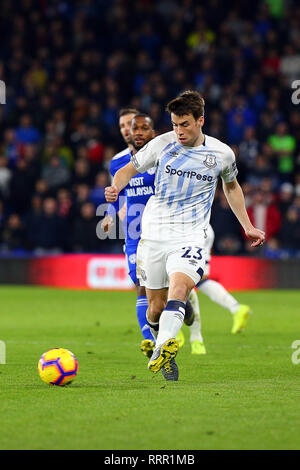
x,y
141,309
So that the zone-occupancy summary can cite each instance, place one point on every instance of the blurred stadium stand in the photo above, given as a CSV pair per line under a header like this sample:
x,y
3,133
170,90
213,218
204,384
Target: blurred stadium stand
x,y
69,66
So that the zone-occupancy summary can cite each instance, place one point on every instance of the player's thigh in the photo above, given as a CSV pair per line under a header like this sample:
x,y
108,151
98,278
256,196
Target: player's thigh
x,y
188,260
151,265
157,300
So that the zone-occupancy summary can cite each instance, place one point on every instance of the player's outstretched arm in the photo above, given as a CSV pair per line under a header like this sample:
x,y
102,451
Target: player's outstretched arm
x,y
121,179
236,200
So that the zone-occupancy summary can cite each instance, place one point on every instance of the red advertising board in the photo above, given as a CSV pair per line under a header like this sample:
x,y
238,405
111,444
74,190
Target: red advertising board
x,y
110,272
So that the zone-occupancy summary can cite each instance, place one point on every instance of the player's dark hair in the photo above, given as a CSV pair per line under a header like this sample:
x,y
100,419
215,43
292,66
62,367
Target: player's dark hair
x,y
188,102
125,111
144,115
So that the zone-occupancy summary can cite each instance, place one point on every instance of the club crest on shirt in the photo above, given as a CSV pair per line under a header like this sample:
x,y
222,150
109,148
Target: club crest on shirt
x,y
210,161
151,171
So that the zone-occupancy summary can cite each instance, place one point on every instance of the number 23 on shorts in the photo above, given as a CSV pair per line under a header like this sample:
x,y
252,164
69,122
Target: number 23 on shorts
x,y
192,252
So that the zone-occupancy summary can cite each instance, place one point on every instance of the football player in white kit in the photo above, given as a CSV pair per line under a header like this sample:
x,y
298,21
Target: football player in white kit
x,y
170,256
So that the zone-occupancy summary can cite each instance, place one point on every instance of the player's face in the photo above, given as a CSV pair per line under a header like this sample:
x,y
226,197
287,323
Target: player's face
x,y
124,123
187,128
141,131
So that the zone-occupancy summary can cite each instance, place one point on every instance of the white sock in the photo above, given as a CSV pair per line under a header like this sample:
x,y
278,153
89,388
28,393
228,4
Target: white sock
x,y
170,321
217,293
195,328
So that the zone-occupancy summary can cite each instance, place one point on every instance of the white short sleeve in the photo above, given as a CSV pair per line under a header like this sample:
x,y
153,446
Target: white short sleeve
x,y
230,170
145,158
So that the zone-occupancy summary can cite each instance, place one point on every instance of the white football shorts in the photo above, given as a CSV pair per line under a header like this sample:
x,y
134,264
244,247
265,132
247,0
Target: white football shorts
x,y
158,260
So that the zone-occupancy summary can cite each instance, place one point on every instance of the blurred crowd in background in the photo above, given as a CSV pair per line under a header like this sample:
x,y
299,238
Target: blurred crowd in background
x,y
69,66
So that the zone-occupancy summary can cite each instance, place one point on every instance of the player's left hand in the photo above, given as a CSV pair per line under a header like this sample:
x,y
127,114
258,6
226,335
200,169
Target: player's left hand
x,y
111,193
107,223
258,236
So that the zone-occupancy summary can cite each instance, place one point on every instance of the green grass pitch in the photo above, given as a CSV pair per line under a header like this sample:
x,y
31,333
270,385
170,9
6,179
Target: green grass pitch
x,y
244,394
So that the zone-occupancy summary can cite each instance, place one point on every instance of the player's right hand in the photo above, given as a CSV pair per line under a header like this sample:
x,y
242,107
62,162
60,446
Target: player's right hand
x,y
111,193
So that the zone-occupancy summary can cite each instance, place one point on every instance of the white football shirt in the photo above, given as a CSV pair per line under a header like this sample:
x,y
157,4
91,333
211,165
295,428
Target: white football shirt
x,y
185,184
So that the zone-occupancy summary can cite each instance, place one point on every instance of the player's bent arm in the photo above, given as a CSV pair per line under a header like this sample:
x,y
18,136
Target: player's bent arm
x,y
121,179
236,201
124,175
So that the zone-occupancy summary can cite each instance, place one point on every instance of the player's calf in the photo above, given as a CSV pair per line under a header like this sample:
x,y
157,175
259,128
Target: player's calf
x,y
189,314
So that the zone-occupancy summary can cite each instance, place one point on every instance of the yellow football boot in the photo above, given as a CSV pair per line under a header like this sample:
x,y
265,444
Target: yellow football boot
x,y
240,319
163,354
198,347
147,347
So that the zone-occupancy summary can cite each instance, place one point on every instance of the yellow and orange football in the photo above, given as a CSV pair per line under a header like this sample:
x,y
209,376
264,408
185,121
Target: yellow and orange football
x,y
58,366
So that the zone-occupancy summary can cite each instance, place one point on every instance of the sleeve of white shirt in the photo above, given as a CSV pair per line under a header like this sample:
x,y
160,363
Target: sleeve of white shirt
x,y
145,158
229,171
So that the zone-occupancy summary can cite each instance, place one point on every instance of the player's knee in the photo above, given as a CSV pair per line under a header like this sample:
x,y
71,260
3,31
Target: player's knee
x,y
179,292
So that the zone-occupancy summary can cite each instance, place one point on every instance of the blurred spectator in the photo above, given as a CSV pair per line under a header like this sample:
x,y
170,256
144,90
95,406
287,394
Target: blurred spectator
x,y
64,203
82,173
52,233
296,204
11,147
14,234
273,249
285,197
239,119
297,184
5,176
290,233
20,187
109,152
264,214
64,152
284,146
55,173
81,196
95,146
41,188
97,196
226,227
290,63
84,238
249,147
33,220
262,170
26,132
2,215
